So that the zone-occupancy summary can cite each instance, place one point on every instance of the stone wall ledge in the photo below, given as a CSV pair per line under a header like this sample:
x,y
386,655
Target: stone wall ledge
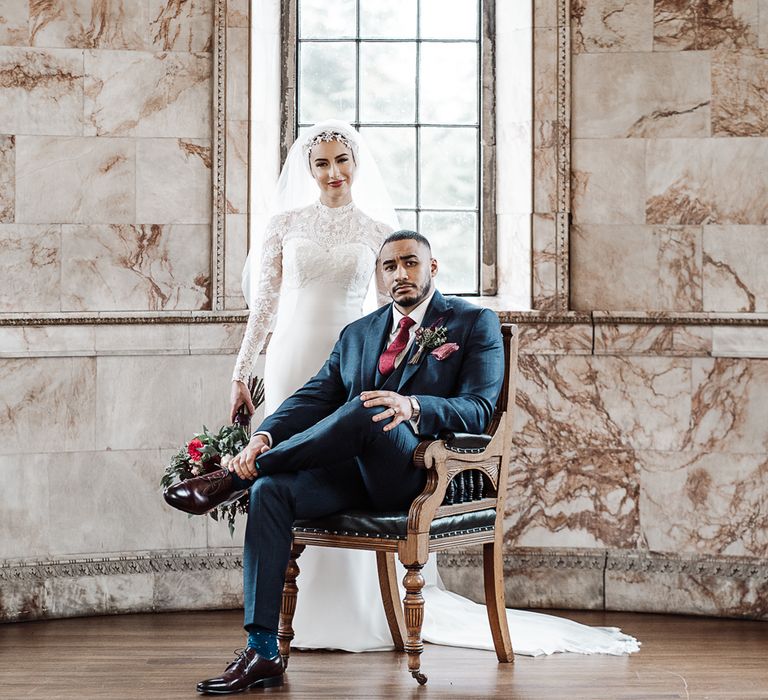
x,y
707,585
653,582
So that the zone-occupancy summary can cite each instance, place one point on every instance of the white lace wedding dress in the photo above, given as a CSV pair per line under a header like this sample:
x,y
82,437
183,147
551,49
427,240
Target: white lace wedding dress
x,y
316,266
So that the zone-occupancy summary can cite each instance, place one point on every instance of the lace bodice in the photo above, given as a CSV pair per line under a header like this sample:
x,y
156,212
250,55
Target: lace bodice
x,y
312,245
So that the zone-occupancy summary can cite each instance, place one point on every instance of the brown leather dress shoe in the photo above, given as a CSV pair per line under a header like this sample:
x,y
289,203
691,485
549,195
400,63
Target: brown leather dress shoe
x,y
203,493
248,670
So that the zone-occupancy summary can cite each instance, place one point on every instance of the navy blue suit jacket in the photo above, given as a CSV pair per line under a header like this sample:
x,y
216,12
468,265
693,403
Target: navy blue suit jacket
x,y
457,394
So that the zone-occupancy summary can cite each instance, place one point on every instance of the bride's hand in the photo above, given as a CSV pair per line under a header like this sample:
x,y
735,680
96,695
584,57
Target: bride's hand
x,y
239,396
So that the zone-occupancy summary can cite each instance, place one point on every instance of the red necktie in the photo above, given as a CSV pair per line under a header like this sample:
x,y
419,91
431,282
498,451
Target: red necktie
x,y
387,359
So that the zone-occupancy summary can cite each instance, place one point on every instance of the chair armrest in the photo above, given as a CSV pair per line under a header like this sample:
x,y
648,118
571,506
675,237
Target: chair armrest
x,y
465,443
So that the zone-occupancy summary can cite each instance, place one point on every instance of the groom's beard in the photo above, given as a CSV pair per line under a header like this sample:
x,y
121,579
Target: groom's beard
x,y
414,296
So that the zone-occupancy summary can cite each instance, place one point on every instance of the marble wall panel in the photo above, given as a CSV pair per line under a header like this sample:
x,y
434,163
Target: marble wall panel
x,y
682,25
134,93
729,341
124,268
641,95
237,73
611,25
24,600
234,259
25,515
41,91
31,255
572,498
123,502
46,341
217,339
609,403
710,503
762,39
653,339
544,262
727,587
735,276
544,74
739,86
544,13
545,166
181,26
7,178
160,402
75,180
664,264
154,339
555,339
237,13
607,181
695,181
173,181
237,167
728,404
88,24
531,425
199,590
50,400
14,24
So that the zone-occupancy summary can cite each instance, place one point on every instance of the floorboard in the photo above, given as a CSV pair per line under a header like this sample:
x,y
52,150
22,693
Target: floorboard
x,y
164,655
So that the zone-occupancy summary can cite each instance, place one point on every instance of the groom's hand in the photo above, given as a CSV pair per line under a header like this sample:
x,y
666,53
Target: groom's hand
x,y
396,407
244,464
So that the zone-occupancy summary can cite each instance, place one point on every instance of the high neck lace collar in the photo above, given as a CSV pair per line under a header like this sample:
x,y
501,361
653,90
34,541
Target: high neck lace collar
x,y
334,211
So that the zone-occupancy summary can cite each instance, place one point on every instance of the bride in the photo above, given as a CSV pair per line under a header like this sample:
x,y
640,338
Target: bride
x,y
318,258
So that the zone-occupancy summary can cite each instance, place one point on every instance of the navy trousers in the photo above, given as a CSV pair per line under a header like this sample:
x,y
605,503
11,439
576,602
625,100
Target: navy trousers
x,y
344,461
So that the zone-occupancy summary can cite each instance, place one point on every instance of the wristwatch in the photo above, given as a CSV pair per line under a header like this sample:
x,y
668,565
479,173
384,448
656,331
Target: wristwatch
x,y
415,408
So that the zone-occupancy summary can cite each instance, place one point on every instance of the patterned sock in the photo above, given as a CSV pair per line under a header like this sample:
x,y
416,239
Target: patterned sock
x,y
264,641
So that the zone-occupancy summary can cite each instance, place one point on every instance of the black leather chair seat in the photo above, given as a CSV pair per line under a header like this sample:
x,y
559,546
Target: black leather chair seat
x,y
393,525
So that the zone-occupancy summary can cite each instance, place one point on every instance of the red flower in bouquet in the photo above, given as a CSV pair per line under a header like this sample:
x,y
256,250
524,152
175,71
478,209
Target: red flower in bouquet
x,y
194,450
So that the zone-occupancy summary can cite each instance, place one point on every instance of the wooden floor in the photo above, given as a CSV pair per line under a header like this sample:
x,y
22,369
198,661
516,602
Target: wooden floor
x,y
164,655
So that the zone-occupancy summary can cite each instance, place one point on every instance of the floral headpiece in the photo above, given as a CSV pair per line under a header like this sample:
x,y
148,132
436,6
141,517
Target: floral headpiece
x,y
328,135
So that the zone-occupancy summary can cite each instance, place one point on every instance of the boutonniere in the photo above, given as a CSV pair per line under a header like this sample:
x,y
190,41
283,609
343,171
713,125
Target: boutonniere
x,y
429,339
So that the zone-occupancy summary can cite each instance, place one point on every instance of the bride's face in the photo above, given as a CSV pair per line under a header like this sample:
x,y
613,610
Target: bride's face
x,y
333,167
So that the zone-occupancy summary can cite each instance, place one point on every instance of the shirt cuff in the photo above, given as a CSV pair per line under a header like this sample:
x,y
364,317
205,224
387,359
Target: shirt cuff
x,y
265,434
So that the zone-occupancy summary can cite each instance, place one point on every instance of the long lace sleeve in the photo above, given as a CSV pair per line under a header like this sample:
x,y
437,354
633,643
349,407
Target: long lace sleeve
x,y
266,299
380,232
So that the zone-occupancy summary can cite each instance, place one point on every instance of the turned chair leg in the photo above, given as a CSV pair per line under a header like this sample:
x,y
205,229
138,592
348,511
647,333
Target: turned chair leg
x,y
493,575
414,618
288,607
390,596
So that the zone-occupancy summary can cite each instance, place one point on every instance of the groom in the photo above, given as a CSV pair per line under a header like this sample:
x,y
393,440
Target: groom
x,y
346,438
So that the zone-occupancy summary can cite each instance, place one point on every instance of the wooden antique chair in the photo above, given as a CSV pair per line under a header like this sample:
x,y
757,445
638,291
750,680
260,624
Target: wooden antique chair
x,y
461,504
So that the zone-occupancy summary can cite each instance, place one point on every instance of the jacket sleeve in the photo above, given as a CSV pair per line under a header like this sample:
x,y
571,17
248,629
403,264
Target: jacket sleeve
x,y
318,398
470,406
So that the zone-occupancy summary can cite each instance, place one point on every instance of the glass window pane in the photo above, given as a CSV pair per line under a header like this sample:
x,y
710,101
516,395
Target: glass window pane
x,y
448,84
453,236
407,219
448,168
321,19
389,19
326,81
449,19
395,153
387,82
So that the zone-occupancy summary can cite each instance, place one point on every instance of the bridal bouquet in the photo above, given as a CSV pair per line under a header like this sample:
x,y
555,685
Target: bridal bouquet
x,y
208,452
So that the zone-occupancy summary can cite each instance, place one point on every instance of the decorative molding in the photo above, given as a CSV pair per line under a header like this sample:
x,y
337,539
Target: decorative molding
x,y
219,156
545,318
156,563
562,216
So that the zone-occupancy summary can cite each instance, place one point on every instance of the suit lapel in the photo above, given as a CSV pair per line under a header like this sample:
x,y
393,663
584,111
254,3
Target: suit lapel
x,y
439,308
372,346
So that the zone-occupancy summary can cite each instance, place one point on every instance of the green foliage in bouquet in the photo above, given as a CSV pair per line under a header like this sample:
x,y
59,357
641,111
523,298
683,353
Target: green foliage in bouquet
x,y
208,452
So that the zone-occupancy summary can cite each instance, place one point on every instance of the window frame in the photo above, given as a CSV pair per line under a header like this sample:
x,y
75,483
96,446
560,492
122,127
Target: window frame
x,y
487,253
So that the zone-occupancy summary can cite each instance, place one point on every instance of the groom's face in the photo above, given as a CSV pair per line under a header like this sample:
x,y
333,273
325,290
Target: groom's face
x,y
408,270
